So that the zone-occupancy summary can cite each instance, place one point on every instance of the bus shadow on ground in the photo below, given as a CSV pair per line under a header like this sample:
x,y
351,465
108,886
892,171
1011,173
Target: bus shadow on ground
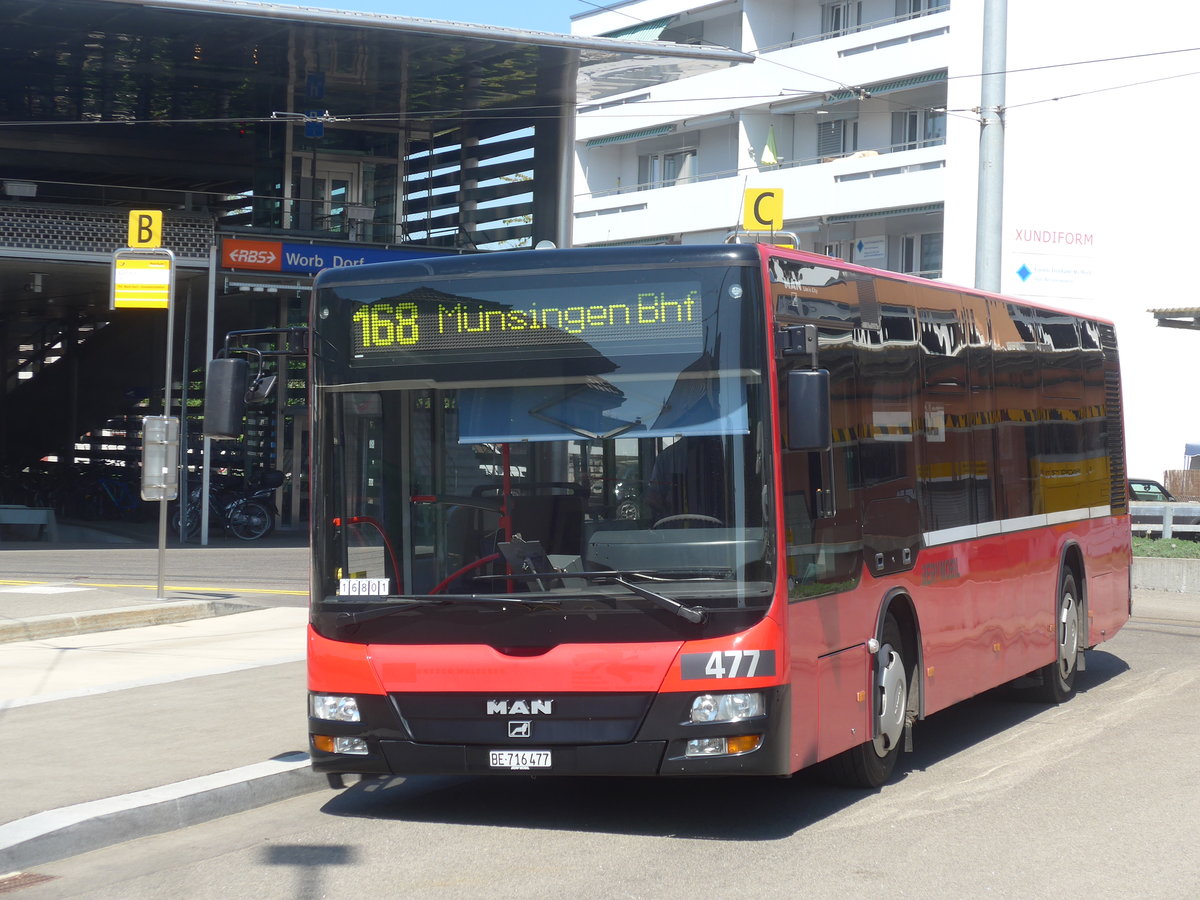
x,y
721,809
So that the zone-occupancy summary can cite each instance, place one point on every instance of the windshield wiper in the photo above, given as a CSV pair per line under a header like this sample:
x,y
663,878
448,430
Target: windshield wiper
x,y
695,614
401,604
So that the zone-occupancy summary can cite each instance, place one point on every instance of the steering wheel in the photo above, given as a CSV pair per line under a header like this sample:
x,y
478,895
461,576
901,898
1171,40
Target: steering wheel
x,y
688,517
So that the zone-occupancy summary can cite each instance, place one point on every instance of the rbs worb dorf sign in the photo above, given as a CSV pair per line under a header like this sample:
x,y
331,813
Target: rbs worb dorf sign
x,y
307,259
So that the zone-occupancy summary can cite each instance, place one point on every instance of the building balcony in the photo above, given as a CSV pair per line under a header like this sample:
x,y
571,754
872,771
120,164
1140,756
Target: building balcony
x,y
864,181
866,36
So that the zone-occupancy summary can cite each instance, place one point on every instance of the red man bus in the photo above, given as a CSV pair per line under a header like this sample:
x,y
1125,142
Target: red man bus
x,y
695,510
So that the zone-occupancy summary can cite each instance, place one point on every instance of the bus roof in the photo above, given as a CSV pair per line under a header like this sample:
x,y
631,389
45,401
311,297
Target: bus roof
x,y
576,258
517,261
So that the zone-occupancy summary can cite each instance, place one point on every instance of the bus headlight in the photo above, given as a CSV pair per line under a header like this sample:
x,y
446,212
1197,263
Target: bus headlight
x,y
328,743
711,708
333,708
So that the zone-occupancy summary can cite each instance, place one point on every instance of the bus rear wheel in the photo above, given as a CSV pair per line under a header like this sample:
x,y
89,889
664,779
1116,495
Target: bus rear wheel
x,y
1058,678
871,764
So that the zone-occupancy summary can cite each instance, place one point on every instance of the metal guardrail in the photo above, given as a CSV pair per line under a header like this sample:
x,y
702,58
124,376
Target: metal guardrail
x,y
1165,520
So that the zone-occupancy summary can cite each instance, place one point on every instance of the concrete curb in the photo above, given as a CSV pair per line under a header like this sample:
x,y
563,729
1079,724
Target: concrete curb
x,y
72,830
60,624
1176,575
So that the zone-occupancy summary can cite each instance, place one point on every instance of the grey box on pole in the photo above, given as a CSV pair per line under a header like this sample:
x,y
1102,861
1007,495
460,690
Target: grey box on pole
x,y
160,455
225,398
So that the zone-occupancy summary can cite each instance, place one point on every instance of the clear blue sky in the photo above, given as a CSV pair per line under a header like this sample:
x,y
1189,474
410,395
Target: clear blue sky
x,y
536,15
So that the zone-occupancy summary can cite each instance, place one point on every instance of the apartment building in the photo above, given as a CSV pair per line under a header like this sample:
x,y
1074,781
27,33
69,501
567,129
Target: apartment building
x,y
844,111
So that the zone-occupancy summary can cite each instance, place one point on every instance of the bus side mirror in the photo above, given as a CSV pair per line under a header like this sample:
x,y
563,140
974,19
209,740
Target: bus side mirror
x,y
225,398
809,424
261,389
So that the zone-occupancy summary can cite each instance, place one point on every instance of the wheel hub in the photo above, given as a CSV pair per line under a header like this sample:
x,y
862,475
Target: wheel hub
x,y
1068,635
891,690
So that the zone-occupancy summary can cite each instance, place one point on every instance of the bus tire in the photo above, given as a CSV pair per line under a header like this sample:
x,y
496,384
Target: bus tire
x,y
1058,678
871,764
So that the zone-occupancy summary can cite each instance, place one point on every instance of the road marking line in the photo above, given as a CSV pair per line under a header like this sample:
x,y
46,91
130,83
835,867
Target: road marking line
x,y
34,588
207,589
211,589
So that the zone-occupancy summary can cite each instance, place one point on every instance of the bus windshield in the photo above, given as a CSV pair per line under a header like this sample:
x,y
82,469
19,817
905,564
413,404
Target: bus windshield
x,y
590,440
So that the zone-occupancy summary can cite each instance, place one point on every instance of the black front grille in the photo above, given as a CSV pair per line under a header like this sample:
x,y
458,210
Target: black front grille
x,y
506,719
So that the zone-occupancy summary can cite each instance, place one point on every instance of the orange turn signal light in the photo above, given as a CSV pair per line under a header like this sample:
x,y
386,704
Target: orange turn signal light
x,y
743,743
323,742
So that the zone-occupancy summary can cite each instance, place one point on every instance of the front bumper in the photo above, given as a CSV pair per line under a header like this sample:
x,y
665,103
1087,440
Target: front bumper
x,y
593,734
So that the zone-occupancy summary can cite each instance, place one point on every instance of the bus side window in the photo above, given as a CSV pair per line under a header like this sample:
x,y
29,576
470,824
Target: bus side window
x,y
821,488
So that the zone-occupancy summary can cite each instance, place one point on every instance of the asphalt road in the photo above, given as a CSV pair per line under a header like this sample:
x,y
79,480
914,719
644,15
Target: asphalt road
x,y
279,571
1002,797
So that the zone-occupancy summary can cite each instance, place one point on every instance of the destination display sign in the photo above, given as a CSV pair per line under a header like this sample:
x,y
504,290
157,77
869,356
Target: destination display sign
x,y
635,319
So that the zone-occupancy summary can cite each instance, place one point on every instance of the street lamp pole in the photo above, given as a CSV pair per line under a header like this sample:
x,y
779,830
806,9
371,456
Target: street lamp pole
x,y
990,211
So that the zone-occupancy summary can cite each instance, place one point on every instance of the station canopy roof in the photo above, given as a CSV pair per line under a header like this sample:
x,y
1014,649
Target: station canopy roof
x,y
226,75
235,34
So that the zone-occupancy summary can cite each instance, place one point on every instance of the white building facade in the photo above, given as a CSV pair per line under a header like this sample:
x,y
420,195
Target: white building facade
x,y
866,115
844,111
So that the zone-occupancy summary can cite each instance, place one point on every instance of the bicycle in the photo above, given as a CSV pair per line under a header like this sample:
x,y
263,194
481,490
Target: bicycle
x,y
241,512
109,496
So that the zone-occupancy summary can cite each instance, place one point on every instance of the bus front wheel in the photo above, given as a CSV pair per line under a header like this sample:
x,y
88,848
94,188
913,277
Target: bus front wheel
x,y
870,764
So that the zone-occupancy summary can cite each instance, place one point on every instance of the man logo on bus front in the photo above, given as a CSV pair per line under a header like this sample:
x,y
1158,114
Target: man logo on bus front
x,y
519,707
521,729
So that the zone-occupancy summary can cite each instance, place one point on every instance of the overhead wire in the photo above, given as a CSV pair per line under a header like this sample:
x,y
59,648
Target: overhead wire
x,y
1115,87
1082,62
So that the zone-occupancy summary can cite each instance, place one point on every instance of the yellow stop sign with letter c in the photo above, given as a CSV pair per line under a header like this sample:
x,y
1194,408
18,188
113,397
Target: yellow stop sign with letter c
x,y
762,209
